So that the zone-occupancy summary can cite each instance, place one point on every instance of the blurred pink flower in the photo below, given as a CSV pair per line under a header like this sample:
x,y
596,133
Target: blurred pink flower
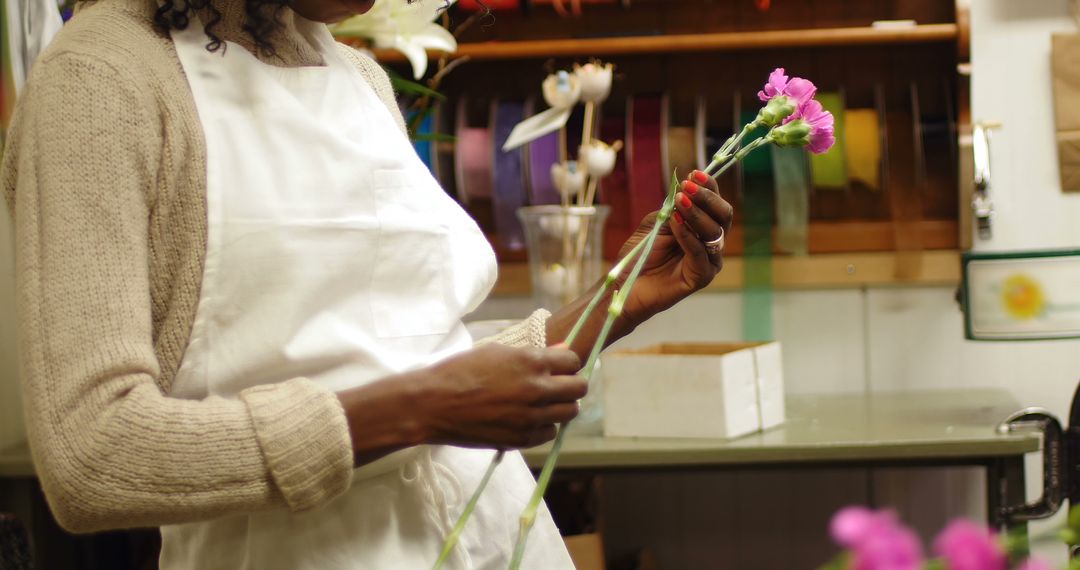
x,y
1034,564
799,89
968,546
822,136
877,541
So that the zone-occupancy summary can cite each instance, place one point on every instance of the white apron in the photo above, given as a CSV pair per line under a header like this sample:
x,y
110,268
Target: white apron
x,y
334,255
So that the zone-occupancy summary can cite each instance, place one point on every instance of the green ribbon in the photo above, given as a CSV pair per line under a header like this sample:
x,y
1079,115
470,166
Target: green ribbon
x,y
757,169
792,199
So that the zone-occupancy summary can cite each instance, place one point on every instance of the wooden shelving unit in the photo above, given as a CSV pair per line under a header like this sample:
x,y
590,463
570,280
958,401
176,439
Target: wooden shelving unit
x,y
822,271
684,43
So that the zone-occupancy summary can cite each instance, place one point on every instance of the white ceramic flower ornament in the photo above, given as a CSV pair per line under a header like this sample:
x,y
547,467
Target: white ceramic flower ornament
x,y
404,26
568,178
598,157
561,89
595,81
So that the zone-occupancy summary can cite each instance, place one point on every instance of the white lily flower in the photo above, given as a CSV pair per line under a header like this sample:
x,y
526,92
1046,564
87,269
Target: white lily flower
x,y
405,27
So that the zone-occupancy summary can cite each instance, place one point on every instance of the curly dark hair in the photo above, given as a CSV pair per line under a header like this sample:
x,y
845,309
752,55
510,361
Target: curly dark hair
x,y
261,18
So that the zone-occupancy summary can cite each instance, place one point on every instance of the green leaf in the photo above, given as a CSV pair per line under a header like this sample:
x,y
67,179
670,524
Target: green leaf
x,y
1068,536
841,562
435,137
410,87
935,564
1074,519
413,88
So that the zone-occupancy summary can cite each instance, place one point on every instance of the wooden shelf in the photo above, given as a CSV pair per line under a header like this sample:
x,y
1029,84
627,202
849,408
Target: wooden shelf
x,y
826,271
725,41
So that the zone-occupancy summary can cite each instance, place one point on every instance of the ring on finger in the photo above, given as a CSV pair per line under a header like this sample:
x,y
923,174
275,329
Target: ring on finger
x,y
715,246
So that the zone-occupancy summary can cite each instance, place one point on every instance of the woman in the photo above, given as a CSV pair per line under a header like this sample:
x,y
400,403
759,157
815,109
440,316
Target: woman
x,y
240,299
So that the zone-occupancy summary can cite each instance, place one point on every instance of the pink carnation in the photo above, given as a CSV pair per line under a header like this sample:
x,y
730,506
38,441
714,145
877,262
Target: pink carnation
x,y
877,541
822,137
968,546
800,90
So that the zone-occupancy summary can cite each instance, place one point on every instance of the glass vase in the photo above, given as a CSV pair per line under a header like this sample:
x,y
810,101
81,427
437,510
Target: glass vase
x,y
566,258
566,250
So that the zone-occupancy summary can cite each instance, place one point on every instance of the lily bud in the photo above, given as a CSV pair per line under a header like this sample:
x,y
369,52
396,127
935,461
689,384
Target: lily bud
x,y
776,110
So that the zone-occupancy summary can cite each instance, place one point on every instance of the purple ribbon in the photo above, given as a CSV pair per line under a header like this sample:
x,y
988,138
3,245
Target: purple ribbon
x,y
543,153
509,189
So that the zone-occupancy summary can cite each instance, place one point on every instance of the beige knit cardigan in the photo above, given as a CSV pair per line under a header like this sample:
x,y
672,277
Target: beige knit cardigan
x,y
104,173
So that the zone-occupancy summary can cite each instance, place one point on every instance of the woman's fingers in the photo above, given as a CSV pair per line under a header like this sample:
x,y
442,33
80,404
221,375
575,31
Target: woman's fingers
x,y
689,205
699,269
560,360
704,180
709,201
556,389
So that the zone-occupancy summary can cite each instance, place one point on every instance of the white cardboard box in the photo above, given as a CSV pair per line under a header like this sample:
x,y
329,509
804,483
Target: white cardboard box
x,y
716,390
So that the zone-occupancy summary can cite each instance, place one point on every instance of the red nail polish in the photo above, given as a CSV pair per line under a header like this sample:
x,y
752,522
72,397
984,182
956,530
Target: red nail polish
x,y
701,177
690,188
685,201
678,217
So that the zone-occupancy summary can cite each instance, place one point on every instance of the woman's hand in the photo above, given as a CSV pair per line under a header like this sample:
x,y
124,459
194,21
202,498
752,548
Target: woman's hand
x,y
493,396
679,263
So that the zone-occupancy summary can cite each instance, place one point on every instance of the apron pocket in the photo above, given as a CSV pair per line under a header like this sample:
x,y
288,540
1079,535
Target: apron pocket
x,y
410,288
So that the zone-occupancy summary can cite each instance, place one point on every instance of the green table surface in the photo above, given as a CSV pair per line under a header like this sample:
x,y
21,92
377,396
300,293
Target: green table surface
x,y
905,427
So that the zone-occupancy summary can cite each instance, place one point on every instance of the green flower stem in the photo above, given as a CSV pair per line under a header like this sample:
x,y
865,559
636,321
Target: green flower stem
x,y
455,534
609,280
528,516
724,155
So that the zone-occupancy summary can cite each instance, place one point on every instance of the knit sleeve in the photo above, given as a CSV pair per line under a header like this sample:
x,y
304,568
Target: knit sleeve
x,y
111,450
377,78
531,332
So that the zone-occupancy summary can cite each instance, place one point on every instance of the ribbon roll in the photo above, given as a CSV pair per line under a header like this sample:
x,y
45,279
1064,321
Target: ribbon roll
x,y
543,152
862,145
647,179
682,150
829,170
508,176
472,158
425,148
615,192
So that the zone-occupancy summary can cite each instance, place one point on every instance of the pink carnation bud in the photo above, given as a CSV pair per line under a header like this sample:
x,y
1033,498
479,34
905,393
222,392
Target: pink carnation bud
x,y
877,541
968,546
1034,564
